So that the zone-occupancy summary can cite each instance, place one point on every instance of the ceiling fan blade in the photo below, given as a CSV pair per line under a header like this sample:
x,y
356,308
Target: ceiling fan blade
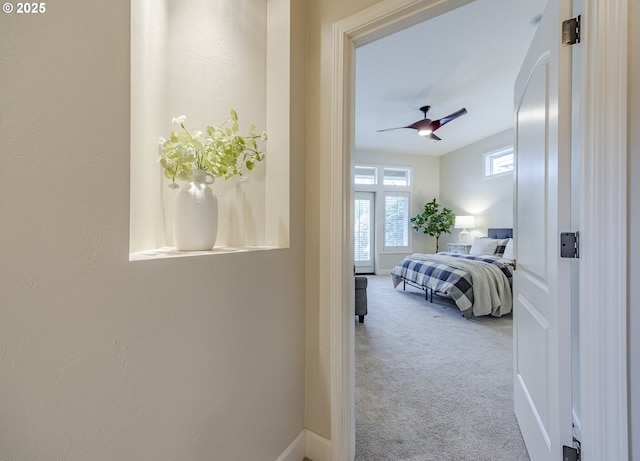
x,y
453,116
419,125
444,120
434,137
396,128
415,125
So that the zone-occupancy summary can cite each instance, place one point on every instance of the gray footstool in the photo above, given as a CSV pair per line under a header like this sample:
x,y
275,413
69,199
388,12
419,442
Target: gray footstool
x,y
361,297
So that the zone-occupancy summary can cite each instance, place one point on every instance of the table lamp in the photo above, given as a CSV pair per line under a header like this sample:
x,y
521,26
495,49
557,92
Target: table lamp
x,y
464,223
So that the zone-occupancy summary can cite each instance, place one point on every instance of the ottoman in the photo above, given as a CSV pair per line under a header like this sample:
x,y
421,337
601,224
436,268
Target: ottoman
x,y
361,297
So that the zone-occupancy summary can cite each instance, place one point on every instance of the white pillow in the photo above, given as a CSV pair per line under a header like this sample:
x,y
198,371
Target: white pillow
x,y
484,246
508,251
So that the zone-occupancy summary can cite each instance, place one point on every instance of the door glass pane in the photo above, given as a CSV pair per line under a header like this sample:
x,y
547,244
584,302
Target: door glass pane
x,y
396,220
362,237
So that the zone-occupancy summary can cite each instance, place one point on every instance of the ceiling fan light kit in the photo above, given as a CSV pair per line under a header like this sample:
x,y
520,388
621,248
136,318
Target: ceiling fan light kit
x,y
426,127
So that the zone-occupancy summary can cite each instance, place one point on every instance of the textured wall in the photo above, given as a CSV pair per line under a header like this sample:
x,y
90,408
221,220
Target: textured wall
x,y
102,358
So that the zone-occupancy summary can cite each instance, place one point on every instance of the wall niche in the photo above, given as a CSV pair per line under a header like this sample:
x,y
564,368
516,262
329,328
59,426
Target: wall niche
x,y
200,58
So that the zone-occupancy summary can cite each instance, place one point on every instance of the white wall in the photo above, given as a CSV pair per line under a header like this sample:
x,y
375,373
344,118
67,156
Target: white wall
x,y
102,358
425,183
464,189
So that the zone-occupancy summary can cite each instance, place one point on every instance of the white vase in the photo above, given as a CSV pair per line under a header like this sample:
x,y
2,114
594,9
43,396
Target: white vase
x,y
195,225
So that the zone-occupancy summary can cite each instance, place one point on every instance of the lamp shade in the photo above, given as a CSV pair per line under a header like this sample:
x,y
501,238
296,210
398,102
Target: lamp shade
x,y
465,222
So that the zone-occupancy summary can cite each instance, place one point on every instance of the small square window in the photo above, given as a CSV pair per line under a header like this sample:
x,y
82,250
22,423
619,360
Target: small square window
x,y
365,175
396,176
499,162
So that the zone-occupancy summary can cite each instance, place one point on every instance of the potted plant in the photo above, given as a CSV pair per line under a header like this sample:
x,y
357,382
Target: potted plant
x,y
198,158
433,221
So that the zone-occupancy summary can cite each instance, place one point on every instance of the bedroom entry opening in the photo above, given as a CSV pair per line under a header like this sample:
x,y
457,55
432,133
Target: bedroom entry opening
x,y
427,188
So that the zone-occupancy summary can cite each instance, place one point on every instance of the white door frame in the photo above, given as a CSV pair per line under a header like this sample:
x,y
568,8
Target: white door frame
x,y
603,218
604,231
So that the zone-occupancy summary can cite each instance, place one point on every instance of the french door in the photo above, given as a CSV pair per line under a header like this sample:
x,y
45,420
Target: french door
x,y
364,232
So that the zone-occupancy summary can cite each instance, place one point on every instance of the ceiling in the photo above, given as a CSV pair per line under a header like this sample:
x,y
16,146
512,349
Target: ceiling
x,y
468,57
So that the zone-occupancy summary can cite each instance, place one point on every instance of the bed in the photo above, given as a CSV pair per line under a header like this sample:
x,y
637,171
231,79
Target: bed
x,y
479,283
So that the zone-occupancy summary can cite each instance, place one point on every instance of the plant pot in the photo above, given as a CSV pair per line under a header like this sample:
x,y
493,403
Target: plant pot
x,y
195,225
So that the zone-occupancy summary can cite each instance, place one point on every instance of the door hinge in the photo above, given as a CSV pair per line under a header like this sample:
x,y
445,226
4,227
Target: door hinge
x,y
571,453
570,245
571,31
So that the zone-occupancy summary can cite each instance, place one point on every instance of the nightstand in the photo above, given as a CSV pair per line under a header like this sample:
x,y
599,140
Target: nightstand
x,y
462,248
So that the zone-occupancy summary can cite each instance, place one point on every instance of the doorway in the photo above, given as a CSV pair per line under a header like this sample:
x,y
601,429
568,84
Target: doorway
x,y
603,191
452,182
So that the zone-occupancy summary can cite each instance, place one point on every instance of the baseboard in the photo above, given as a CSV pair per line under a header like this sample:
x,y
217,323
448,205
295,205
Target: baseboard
x,y
307,444
318,448
297,450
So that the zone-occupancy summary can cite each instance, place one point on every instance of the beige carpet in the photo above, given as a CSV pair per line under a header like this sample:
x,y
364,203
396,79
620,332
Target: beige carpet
x,y
430,384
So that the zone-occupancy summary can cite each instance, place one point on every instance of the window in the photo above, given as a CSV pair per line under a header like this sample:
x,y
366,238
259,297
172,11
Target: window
x,y
389,227
396,221
498,162
396,177
365,175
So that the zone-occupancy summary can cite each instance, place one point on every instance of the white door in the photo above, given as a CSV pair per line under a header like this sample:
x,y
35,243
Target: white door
x,y
542,301
363,237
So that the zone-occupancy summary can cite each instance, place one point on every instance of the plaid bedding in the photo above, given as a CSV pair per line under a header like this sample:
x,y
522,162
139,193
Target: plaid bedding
x,y
433,273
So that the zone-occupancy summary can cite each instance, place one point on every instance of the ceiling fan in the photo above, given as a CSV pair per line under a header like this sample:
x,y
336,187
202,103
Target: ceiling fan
x,y
426,127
